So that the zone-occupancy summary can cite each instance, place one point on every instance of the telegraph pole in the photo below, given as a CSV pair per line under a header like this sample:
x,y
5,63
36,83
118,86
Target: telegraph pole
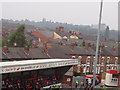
x,y
97,45
119,45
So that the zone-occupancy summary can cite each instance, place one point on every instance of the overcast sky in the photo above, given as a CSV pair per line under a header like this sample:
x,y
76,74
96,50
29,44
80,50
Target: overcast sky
x,y
86,13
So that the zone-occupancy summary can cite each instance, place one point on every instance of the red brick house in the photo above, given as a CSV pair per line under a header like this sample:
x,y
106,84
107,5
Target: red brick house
x,y
40,36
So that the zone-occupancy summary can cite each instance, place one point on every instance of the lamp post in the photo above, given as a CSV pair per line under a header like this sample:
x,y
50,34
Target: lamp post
x,y
97,45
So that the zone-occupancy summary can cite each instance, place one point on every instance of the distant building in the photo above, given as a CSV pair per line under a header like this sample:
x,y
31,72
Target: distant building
x,y
44,20
95,26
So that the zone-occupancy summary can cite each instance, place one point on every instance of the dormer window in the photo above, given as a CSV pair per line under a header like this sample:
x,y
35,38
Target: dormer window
x,y
73,57
108,60
79,60
102,60
87,69
79,57
88,60
116,60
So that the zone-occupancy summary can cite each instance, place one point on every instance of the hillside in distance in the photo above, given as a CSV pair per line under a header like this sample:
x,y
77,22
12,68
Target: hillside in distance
x,y
84,29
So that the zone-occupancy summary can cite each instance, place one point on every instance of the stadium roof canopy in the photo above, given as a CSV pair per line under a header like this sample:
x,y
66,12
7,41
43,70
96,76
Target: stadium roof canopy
x,y
16,66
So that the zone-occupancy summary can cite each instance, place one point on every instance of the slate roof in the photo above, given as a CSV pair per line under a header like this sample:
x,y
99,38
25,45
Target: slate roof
x,y
62,33
61,51
67,41
107,51
92,37
58,51
18,53
82,51
111,52
47,33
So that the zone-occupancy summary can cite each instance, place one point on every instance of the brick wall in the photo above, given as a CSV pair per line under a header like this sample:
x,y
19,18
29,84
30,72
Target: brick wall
x,y
103,67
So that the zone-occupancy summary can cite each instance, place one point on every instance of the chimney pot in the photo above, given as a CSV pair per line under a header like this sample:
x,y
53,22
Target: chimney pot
x,y
88,46
72,46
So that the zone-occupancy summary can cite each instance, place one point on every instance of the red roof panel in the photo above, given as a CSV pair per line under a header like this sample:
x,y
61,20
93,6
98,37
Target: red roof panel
x,y
112,71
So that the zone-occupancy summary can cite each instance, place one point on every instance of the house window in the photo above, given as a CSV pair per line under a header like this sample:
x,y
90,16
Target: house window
x,y
87,69
98,69
73,57
88,60
116,60
79,60
84,69
108,60
102,60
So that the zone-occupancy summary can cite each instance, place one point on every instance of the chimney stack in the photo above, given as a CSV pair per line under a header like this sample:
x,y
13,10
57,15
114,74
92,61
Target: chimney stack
x,y
5,49
60,43
72,46
57,29
61,28
88,46
102,47
113,48
45,48
26,50
34,45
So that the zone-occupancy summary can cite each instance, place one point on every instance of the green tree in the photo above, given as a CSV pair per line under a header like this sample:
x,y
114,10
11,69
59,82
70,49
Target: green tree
x,y
18,38
0,42
3,42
